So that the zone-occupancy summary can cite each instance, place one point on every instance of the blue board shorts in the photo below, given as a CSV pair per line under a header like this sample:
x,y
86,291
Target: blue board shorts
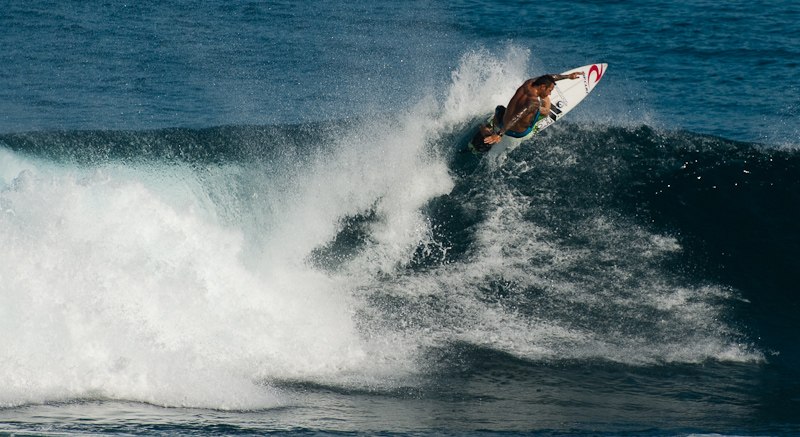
x,y
476,145
500,111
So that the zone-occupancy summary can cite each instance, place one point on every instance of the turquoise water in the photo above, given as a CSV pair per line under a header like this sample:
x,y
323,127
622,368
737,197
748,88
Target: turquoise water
x,y
245,218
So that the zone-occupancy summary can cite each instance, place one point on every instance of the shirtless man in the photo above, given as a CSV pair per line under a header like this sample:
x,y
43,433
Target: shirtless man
x,y
531,100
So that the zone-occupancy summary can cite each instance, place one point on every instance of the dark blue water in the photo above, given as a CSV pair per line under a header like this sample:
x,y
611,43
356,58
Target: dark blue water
x,y
249,218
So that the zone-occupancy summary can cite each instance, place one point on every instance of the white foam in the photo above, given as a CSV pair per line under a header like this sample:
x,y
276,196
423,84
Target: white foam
x,y
111,291
137,282
11,165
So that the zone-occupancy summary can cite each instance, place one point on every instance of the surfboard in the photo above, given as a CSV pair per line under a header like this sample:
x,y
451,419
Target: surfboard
x,y
566,95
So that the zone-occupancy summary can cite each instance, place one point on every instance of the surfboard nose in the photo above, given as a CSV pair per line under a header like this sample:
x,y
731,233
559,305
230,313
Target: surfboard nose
x,y
594,74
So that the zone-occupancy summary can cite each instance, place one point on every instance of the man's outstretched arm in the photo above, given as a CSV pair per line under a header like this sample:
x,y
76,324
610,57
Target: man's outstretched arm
x,y
575,75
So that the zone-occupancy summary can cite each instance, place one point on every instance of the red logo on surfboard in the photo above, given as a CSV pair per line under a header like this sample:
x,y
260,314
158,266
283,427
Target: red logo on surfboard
x,y
596,69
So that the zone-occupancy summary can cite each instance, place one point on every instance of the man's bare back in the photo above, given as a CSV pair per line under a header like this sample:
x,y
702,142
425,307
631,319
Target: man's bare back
x,y
530,100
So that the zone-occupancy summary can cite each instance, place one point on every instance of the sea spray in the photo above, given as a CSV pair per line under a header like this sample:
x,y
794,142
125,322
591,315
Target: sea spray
x,y
136,279
110,292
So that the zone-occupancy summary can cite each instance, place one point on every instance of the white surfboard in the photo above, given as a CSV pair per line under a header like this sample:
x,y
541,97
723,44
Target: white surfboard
x,y
565,96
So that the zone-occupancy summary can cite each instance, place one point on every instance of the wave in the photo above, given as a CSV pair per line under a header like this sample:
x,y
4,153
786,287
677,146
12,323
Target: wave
x,y
201,267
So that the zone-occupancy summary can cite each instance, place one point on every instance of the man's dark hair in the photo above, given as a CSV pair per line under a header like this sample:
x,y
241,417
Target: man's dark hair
x,y
544,80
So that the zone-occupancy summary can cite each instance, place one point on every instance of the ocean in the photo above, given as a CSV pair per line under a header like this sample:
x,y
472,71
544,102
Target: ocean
x,y
251,218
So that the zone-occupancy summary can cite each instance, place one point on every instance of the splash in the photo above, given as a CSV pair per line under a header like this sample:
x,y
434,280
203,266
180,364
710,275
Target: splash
x,y
186,284
110,292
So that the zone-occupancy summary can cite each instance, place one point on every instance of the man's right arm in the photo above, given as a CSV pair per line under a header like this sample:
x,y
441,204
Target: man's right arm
x,y
533,104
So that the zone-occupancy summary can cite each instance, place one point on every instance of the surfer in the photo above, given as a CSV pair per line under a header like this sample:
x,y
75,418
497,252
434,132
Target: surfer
x,y
531,100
